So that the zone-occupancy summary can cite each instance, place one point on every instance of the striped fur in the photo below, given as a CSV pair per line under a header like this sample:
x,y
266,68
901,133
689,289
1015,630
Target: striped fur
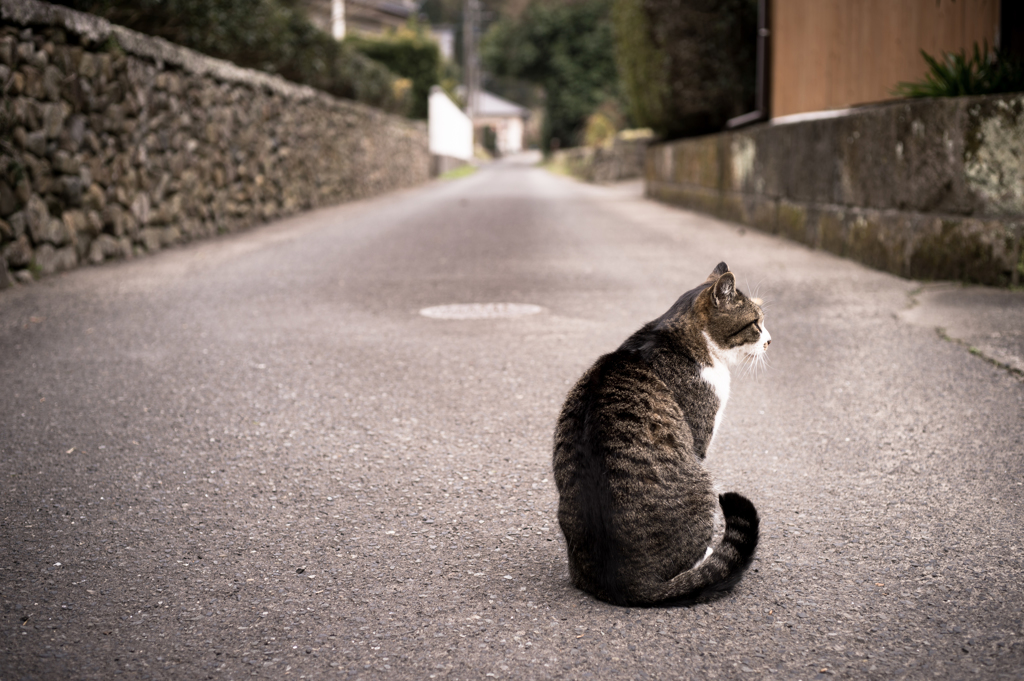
x,y
636,505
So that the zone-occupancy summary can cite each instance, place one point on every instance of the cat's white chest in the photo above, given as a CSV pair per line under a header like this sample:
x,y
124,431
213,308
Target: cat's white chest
x,y
717,376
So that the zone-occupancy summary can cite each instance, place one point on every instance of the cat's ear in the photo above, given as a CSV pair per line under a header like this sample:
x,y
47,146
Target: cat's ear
x,y
724,289
719,270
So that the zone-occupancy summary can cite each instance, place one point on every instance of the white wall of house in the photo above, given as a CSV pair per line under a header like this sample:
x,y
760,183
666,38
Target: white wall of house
x,y
513,142
449,130
508,131
338,19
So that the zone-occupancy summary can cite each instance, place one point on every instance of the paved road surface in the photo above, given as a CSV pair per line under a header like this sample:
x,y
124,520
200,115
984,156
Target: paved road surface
x,y
253,457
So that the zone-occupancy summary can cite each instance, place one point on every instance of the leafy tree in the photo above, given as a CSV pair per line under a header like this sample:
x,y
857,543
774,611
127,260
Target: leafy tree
x,y
270,35
641,64
687,65
410,53
567,48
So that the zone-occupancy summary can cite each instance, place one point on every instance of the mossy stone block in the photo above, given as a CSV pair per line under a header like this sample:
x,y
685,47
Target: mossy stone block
x,y
792,221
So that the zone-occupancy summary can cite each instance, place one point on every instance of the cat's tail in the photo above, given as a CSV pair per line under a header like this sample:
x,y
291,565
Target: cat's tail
x,y
722,569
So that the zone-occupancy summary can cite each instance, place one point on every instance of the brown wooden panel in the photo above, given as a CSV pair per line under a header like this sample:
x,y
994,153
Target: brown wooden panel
x,y
831,54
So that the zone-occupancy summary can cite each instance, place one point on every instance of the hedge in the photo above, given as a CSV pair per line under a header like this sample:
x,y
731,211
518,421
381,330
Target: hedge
x,y
269,35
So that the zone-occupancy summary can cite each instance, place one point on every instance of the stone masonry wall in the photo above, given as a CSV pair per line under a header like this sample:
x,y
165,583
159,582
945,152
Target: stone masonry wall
x,y
114,144
623,160
928,189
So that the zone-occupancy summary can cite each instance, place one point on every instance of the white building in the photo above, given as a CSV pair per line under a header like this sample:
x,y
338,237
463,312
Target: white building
x,y
444,36
368,17
507,119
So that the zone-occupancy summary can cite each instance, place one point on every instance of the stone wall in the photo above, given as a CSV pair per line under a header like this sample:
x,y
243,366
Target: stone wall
x,y
622,160
114,144
928,189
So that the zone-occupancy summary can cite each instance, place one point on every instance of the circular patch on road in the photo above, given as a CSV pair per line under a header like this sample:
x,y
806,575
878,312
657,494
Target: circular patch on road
x,y
480,311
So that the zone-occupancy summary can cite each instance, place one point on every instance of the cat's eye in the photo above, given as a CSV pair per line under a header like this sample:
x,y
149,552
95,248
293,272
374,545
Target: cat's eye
x,y
743,329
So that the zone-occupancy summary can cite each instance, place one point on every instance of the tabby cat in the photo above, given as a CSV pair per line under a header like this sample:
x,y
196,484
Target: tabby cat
x,y
635,503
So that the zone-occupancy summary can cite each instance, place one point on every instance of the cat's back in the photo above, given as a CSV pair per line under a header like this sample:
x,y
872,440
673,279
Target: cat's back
x,y
633,497
619,405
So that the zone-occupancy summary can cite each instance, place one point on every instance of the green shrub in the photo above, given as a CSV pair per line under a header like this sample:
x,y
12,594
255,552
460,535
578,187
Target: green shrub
x,y
410,53
641,65
599,131
982,73
565,47
489,140
269,35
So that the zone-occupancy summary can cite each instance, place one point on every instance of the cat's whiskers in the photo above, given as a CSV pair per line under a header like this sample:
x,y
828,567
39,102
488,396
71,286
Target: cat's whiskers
x,y
756,364
751,367
763,364
755,290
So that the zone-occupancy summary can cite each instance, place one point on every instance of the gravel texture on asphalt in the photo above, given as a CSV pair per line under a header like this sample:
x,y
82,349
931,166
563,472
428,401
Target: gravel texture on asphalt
x,y
254,457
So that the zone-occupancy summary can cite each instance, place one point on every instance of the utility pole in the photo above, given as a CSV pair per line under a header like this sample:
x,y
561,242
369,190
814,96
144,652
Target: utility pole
x,y
338,19
471,54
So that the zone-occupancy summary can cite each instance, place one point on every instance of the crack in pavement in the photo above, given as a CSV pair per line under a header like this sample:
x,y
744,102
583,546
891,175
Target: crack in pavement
x,y
987,322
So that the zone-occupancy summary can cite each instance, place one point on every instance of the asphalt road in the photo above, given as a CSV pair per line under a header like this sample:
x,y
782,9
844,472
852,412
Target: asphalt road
x,y
254,457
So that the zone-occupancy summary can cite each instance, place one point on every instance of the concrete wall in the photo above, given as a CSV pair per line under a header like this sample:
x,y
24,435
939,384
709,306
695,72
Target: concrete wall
x,y
450,129
114,144
930,189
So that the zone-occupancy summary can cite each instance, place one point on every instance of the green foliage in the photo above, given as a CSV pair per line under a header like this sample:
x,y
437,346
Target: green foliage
x,y
599,131
461,171
565,47
687,66
489,140
270,35
522,92
642,65
603,125
956,75
411,54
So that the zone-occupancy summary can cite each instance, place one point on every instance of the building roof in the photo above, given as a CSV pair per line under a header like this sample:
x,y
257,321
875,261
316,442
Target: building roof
x,y
394,7
491,104
372,16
